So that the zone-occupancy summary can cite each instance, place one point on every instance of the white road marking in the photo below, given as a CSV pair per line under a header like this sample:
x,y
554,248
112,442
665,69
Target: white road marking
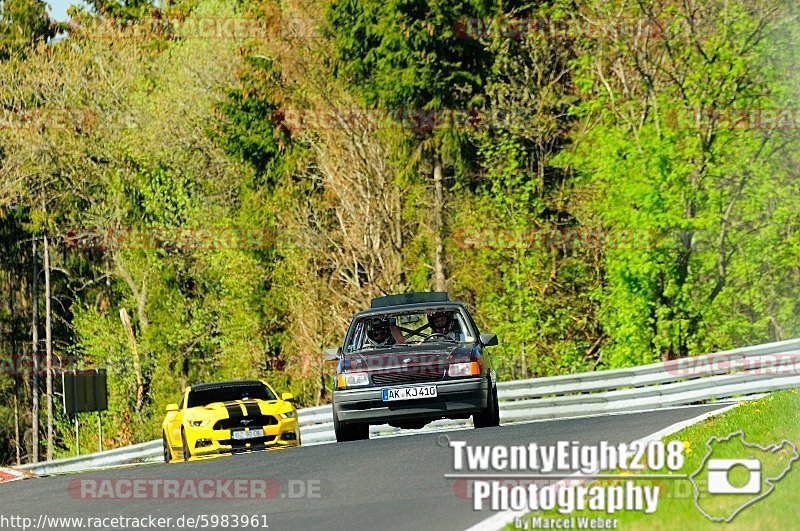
x,y
501,519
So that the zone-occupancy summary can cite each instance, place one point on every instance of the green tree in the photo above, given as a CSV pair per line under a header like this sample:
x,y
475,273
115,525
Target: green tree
x,y
701,188
248,128
409,55
23,24
122,9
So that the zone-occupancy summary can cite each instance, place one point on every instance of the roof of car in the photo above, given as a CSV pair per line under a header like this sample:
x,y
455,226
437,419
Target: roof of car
x,y
409,308
404,299
229,383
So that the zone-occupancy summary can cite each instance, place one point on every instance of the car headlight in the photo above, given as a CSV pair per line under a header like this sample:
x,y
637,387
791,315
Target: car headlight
x,y
289,414
472,368
352,379
199,423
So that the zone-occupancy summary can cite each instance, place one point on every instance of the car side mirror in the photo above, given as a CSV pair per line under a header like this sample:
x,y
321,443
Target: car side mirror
x,y
172,407
287,397
489,340
331,354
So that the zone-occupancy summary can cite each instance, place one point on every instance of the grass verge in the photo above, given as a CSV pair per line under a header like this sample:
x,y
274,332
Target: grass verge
x,y
766,421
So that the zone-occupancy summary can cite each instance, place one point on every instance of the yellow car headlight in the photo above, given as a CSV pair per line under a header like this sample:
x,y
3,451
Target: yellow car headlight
x,y
289,414
199,423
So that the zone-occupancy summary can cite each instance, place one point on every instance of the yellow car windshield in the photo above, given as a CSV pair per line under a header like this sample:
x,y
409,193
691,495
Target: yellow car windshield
x,y
209,395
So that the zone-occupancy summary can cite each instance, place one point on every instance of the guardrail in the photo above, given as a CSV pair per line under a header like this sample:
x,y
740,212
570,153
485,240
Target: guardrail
x,y
118,456
733,373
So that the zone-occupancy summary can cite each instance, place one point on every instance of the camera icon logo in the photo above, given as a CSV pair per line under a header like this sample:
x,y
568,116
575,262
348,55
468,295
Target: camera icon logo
x,y
735,474
719,476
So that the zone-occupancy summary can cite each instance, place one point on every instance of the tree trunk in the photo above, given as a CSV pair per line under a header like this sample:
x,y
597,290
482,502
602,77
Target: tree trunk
x,y
48,331
140,295
523,355
137,365
18,384
321,389
35,356
16,430
438,225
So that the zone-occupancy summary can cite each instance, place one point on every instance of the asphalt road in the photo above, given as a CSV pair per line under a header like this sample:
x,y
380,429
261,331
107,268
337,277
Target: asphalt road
x,y
385,483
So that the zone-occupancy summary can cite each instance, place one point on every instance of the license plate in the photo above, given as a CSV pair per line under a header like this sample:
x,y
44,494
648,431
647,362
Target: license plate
x,y
252,434
408,393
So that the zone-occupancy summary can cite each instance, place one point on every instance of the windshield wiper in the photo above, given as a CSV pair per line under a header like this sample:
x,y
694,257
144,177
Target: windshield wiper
x,y
435,340
374,347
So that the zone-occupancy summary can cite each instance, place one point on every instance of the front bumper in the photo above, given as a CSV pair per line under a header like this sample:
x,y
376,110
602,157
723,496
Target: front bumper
x,y
454,398
204,441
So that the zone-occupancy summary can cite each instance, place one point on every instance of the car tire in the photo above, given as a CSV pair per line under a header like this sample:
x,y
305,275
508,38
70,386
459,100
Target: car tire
x,y
338,428
167,450
490,416
359,432
187,454
349,432
496,412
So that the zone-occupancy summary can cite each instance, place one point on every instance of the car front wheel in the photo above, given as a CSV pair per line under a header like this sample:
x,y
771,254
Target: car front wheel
x,y
490,416
167,451
186,452
349,432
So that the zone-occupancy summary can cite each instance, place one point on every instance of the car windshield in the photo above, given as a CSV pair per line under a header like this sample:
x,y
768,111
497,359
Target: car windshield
x,y
410,328
203,397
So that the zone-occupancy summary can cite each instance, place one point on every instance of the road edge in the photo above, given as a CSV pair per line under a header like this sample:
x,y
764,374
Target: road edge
x,y
499,520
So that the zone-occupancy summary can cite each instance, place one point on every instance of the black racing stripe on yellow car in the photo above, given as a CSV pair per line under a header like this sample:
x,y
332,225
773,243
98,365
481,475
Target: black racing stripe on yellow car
x,y
234,410
242,410
252,408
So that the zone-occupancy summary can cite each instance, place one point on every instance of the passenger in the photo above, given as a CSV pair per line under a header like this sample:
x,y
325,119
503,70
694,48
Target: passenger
x,y
379,333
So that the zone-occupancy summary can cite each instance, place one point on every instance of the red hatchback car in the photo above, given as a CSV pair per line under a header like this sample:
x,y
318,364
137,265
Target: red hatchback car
x,y
411,359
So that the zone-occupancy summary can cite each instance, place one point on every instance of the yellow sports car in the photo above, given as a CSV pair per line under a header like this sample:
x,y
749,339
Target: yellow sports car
x,y
229,417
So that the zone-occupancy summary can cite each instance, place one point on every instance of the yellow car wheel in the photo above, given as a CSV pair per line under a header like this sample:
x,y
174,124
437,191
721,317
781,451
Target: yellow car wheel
x,y
167,451
186,452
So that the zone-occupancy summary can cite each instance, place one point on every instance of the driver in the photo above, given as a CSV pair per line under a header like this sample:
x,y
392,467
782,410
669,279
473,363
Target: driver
x,y
379,333
444,324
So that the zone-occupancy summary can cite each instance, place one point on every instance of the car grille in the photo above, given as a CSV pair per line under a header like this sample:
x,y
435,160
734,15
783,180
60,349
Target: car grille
x,y
253,421
400,377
